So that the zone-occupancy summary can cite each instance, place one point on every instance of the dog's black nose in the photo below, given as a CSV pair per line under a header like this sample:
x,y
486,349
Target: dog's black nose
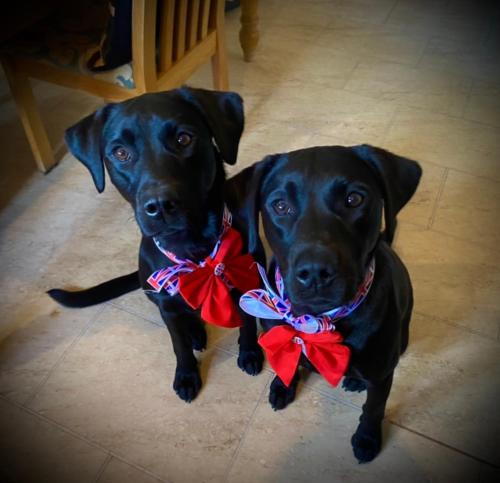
x,y
318,274
157,206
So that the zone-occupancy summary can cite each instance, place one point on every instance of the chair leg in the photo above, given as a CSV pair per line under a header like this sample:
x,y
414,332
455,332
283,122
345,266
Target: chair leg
x,y
28,112
219,59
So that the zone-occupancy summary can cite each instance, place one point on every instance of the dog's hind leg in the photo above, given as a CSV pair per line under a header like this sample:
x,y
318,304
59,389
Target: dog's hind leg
x,y
250,358
187,380
367,440
280,396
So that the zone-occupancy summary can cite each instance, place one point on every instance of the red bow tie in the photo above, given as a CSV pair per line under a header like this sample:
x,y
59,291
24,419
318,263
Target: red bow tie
x,y
209,285
283,346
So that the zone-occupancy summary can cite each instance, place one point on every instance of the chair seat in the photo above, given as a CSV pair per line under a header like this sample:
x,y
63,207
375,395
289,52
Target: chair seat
x,y
68,40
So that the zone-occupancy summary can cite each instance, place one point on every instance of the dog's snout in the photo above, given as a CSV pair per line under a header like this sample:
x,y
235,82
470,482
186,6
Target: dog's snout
x,y
155,207
319,273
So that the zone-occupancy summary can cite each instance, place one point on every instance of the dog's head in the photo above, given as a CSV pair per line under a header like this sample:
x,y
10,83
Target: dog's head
x,y
164,152
322,214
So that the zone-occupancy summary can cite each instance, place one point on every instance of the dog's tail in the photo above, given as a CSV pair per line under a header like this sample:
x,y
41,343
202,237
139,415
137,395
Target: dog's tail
x,y
98,294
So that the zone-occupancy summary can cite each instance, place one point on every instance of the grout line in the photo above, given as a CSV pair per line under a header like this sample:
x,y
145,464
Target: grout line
x,y
349,76
457,326
130,311
81,437
476,243
331,397
84,330
102,469
439,195
473,82
245,432
389,14
392,120
445,445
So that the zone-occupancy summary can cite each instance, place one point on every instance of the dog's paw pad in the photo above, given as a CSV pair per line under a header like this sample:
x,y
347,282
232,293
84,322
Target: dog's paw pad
x,y
250,361
199,340
366,445
281,396
187,384
354,385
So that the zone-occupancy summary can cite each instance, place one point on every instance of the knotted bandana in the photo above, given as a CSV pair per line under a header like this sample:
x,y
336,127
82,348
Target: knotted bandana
x,y
207,284
312,335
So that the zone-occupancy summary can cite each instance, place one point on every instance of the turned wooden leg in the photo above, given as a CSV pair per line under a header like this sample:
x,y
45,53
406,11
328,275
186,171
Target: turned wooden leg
x,y
249,35
28,112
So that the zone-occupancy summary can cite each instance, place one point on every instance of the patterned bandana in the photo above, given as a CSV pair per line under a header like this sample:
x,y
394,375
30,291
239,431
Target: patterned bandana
x,y
311,335
207,284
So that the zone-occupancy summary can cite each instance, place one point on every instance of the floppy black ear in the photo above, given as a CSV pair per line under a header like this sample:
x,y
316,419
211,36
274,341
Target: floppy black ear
x,y
84,142
399,178
223,112
245,191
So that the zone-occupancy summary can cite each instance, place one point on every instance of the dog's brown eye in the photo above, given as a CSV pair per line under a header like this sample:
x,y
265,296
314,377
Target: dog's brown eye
x,y
121,154
282,208
184,139
354,199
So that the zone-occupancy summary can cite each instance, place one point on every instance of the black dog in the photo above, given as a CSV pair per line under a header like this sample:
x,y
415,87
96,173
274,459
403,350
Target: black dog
x,y
322,213
164,152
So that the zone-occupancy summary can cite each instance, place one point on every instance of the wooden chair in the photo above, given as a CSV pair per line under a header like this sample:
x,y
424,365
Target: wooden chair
x,y
191,32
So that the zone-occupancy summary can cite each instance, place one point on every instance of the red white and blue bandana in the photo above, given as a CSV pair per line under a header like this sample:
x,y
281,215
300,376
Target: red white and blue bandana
x,y
207,284
311,335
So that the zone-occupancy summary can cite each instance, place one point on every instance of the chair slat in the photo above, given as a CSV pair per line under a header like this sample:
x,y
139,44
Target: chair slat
x,y
180,28
166,47
194,15
204,18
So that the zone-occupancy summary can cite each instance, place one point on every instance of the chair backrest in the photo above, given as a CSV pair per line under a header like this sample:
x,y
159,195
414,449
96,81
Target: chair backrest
x,y
163,31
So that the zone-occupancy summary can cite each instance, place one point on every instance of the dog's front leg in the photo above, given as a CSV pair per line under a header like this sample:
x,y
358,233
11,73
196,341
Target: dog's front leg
x,y
250,358
280,395
367,440
187,381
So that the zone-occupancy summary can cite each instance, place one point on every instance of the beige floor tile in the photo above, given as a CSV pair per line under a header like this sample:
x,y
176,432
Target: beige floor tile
x,y
467,207
455,21
447,387
40,333
484,103
452,279
117,471
419,210
137,303
465,57
34,451
122,398
365,43
446,141
409,86
310,441
329,116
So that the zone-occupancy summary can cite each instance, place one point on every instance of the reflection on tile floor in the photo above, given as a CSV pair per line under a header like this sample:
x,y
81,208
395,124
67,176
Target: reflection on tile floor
x,y
86,395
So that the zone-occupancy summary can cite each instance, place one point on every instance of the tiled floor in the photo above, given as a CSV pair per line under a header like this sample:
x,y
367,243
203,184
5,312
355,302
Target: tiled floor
x,y
85,395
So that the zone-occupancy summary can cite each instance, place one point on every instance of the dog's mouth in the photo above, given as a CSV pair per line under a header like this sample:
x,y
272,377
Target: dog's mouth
x,y
319,303
186,244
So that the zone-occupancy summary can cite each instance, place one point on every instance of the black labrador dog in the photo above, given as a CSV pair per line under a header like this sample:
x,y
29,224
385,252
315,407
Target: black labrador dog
x,y
322,214
164,152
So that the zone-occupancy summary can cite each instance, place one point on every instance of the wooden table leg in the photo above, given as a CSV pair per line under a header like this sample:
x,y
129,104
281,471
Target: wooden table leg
x,y
249,35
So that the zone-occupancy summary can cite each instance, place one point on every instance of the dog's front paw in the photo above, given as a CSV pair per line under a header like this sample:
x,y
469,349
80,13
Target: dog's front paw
x,y
280,396
353,384
366,443
187,384
250,361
